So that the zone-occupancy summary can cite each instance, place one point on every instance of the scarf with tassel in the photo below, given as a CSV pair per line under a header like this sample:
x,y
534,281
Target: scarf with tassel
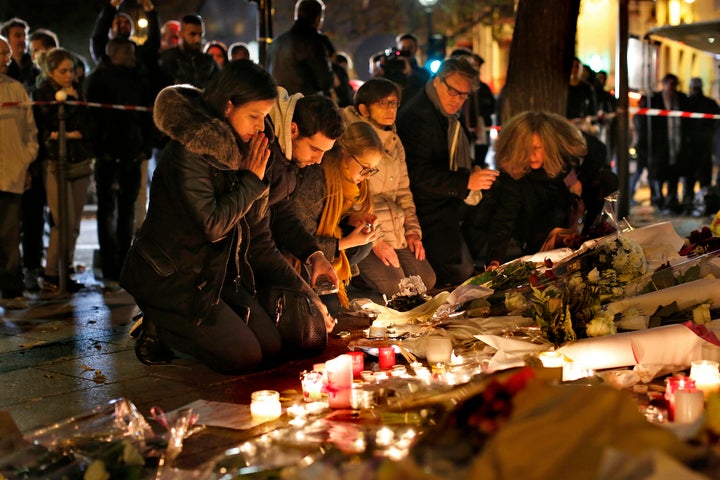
x,y
342,194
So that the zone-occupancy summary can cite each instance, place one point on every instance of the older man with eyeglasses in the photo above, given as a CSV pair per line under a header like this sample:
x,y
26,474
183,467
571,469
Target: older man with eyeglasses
x,y
444,182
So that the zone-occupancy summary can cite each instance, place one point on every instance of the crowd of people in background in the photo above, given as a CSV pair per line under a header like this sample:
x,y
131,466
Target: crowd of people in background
x,y
269,182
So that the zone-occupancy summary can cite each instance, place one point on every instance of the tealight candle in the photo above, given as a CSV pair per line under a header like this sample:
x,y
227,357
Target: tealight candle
x,y
551,359
706,376
265,405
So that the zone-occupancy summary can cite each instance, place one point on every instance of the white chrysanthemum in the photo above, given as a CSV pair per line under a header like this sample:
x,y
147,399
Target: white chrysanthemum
x,y
576,283
701,314
515,301
593,276
602,324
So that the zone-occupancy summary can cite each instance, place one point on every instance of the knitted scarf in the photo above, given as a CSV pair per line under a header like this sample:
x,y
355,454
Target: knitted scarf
x,y
341,195
458,143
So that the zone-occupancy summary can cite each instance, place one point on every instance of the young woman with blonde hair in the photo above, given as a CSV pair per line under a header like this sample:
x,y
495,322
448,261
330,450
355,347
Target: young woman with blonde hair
x,y
335,201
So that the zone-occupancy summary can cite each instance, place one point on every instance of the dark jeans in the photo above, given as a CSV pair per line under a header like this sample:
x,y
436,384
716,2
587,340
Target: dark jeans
x,y
238,336
11,283
118,184
33,218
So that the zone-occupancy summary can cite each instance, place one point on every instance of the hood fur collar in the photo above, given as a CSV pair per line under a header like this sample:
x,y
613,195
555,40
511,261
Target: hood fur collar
x,y
179,114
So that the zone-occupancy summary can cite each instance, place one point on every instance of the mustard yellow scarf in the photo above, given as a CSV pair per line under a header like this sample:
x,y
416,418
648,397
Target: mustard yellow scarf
x,y
341,195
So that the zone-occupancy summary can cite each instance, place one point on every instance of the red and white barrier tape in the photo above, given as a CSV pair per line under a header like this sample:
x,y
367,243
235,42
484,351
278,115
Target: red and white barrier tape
x,y
136,108
656,112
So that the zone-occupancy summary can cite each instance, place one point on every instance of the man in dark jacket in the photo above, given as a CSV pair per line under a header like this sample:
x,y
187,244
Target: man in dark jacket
x,y
186,63
123,139
660,140
299,58
111,24
443,180
698,141
306,128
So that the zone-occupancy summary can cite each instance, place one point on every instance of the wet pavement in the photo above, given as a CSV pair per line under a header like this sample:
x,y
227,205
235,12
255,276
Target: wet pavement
x,y
64,356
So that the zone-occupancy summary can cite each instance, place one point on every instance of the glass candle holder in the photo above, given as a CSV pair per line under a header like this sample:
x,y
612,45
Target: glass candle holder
x,y
312,386
438,349
706,375
386,357
358,362
265,405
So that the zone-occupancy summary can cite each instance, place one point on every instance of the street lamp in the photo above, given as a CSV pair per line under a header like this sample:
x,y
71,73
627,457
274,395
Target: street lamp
x,y
435,43
428,5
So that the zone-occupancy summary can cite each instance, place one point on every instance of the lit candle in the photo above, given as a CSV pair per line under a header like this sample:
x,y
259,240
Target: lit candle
x,y
551,359
575,371
312,385
386,357
339,377
358,362
706,376
689,405
673,385
438,349
265,405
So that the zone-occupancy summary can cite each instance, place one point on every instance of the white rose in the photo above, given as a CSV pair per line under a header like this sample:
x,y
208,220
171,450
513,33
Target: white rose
x,y
701,314
601,325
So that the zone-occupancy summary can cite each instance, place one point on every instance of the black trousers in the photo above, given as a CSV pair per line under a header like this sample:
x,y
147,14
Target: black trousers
x,y
118,184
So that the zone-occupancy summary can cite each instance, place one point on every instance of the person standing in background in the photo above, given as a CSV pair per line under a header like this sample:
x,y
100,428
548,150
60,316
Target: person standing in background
x,y
123,142
58,73
186,63
21,66
299,59
18,148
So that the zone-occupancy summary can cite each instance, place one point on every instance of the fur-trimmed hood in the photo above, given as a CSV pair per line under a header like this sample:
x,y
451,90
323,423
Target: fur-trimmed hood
x,y
179,113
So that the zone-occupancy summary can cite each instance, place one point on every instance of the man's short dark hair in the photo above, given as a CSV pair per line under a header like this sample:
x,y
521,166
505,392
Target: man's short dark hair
x,y
318,113
13,22
193,20
47,37
309,10
406,36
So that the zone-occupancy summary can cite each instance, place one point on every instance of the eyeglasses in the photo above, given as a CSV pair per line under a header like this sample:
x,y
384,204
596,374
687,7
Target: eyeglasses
x,y
366,171
454,92
387,104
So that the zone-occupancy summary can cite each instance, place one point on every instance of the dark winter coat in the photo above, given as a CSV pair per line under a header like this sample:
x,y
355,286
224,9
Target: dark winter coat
x,y
299,60
438,192
195,239
123,134
46,118
194,68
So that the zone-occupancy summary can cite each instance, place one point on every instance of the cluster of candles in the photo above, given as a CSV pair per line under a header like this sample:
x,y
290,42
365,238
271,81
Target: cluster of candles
x,y
345,383
685,396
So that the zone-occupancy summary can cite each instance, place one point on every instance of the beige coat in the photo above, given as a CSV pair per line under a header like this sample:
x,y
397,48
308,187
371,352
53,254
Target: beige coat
x,y
392,200
18,136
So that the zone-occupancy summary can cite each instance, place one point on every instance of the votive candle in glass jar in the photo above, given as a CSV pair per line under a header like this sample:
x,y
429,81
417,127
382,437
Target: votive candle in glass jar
x,y
674,384
386,357
358,362
312,386
339,381
706,375
265,405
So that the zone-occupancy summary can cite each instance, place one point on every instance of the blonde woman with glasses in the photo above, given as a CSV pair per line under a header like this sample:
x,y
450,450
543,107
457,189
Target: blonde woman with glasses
x,y
335,202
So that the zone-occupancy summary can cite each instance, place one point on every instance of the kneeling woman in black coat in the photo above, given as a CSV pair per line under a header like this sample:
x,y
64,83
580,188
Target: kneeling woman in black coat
x,y
189,268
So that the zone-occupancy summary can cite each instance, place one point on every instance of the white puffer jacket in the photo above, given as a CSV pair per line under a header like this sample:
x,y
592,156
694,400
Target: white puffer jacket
x,y
392,200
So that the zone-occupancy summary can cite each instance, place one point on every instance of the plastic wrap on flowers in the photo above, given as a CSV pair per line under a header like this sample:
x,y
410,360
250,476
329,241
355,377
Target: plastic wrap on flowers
x,y
111,441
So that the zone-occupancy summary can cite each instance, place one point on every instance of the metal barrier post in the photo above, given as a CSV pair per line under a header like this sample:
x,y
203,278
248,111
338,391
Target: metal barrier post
x,y
62,188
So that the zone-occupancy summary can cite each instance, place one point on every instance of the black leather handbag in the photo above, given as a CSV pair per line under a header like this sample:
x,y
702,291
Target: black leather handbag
x,y
299,321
